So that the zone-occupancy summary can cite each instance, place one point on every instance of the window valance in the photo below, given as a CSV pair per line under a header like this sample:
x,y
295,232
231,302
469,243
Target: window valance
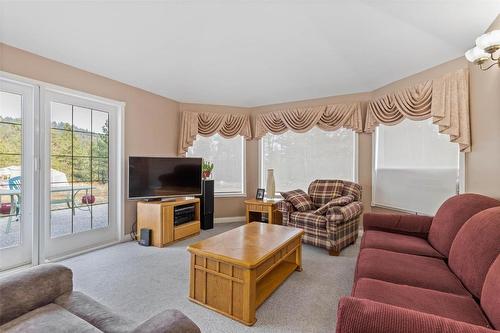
x,y
207,124
445,99
327,117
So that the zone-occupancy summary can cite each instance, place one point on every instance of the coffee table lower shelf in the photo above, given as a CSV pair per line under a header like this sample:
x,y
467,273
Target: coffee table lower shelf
x,y
237,291
270,282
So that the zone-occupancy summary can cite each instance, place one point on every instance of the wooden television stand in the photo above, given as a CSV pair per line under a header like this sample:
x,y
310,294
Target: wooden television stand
x,y
159,217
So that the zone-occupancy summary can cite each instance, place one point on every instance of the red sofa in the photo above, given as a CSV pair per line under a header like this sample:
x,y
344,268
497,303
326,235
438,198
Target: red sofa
x,y
428,274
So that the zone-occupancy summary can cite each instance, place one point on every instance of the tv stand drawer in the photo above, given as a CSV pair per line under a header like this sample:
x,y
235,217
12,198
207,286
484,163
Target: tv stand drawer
x,y
186,229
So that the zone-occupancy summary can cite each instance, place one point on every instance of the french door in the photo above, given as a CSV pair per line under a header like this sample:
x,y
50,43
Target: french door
x,y
60,172
78,166
17,174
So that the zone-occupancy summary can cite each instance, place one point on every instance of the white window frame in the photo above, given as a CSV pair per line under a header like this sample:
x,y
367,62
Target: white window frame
x,y
115,109
460,179
355,162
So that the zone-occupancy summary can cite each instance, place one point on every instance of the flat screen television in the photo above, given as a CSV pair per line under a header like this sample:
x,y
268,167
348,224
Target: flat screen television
x,y
163,177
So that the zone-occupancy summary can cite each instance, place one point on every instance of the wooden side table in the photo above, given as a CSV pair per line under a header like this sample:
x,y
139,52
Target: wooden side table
x,y
262,211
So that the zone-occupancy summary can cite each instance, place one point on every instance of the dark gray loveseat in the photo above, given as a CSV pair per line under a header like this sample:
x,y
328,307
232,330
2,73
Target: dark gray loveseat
x,y
42,299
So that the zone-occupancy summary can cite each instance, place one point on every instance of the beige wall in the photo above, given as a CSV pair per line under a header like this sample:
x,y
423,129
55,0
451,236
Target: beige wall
x,y
483,163
151,121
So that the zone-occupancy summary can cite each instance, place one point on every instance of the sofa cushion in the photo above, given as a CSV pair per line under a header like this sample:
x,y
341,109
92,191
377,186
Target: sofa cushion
x,y
462,308
475,248
340,201
408,269
48,318
452,214
398,243
94,313
299,199
322,191
490,295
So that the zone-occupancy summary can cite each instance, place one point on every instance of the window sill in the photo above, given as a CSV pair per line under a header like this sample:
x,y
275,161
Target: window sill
x,y
396,209
230,195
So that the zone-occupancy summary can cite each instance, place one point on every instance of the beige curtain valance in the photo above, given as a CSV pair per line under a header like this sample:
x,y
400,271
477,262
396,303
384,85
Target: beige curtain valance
x,y
446,100
327,117
207,124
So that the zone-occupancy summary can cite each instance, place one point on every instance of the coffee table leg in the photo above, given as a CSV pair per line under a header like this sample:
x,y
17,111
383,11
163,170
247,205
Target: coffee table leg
x,y
298,258
249,296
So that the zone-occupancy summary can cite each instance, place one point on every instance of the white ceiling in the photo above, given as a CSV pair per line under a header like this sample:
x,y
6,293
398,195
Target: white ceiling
x,y
248,53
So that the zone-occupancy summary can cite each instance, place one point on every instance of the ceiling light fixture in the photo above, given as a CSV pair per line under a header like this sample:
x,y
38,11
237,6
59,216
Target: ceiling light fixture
x,y
486,46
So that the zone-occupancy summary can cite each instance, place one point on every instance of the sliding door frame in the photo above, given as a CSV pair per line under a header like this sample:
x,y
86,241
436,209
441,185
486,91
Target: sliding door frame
x,y
40,159
29,171
68,245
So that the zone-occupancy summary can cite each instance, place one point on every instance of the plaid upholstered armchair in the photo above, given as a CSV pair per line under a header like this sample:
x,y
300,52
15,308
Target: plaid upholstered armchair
x,y
329,214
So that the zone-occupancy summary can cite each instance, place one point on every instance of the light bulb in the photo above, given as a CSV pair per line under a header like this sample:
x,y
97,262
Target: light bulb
x,y
476,55
489,42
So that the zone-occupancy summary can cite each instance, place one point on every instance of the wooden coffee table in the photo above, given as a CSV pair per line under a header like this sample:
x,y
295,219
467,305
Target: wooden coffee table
x,y
233,273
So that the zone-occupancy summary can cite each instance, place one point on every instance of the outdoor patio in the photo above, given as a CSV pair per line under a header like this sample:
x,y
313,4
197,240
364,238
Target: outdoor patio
x,y
60,225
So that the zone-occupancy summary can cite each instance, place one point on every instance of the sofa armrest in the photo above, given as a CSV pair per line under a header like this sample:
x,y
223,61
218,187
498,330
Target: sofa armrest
x,y
285,207
405,224
94,312
357,315
168,321
345,213
33,288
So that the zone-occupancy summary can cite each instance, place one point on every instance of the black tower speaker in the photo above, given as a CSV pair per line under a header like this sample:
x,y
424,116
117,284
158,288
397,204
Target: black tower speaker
x,y
207,204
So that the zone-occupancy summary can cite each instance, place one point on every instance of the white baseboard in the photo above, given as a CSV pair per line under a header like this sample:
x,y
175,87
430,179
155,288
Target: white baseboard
x,y
230,219
82,251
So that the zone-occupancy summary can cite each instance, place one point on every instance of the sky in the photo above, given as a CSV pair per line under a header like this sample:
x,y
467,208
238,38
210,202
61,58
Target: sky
x,y
10,106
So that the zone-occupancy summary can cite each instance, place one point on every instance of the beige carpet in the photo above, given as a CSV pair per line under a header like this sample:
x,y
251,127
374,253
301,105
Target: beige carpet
x,y
139,282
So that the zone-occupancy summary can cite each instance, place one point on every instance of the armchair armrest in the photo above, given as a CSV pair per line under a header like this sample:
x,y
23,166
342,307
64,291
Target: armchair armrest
x,y
345,213
168,321
418,225
339,201
33,288
357,315
285,207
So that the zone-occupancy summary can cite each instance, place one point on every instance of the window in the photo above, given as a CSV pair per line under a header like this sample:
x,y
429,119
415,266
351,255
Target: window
x,y
10,168
415,167
300,158
79,169
228,157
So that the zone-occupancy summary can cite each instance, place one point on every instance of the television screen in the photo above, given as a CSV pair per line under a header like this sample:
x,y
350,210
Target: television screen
x,y
162,177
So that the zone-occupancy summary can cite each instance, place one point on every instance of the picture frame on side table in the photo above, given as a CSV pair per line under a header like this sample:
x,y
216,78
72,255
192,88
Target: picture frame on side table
x,y
260,194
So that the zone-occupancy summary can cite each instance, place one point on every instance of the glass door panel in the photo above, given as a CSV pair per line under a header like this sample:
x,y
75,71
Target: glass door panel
x,y
78,210
79,169
16,168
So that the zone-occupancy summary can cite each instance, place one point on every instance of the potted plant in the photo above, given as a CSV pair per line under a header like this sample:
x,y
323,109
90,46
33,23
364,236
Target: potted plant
x,y
207,169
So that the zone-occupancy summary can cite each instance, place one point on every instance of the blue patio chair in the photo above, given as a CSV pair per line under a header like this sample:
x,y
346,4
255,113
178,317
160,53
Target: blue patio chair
x,y
14,184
